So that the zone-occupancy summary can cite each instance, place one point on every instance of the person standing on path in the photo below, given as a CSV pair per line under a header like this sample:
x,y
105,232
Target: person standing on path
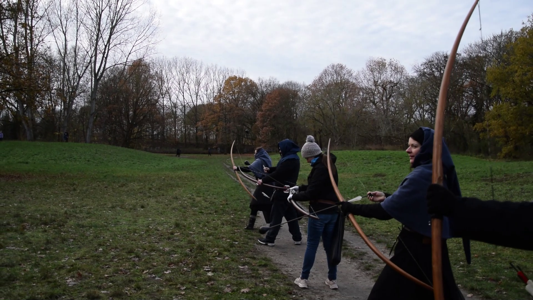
x,y
408,205
259,202
285,173
322,199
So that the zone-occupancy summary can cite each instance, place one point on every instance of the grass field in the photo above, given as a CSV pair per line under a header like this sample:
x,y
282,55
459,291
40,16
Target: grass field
x,y
86,221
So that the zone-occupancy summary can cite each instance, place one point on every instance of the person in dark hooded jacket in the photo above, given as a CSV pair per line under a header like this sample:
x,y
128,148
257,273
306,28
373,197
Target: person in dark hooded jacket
x,y
261,196
408,205
285,173
323,202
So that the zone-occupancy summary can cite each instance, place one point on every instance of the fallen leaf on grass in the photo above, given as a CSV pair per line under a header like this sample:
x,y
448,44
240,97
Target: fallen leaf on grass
x,y
246,290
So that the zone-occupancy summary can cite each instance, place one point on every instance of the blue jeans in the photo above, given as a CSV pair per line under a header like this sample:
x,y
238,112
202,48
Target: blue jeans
x,y
324,228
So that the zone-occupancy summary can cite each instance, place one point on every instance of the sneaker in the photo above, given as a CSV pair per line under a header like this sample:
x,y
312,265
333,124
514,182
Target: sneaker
x,y
332,284
302,283
265,242
297,242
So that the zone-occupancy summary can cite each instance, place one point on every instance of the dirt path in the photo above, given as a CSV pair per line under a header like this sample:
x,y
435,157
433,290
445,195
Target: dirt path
x,y
355,276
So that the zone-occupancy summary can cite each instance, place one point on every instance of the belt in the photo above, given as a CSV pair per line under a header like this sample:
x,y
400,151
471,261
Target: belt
x,y
324,202
424,239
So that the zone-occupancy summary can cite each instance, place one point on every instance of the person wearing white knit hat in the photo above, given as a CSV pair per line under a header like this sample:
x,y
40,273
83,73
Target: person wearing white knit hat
x,y
322,199
310,148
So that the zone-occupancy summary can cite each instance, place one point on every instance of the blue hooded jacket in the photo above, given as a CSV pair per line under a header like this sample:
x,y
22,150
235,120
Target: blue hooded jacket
x,y
261,159
408,203
288,167
288,150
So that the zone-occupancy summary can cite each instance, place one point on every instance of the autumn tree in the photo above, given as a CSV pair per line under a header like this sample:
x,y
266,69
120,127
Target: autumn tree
x,y
511,121
278,119
232,110
476,59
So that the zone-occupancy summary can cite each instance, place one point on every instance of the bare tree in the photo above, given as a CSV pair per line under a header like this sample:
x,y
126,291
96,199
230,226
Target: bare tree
x,y
23,75
382,83
129,101
118,31
74,60
333,104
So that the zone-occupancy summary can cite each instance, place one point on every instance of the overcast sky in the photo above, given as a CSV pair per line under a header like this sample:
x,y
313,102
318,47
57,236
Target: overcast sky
x,y
297,39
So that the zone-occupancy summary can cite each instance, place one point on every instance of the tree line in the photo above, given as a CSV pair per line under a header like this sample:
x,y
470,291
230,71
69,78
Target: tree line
x,y
85,67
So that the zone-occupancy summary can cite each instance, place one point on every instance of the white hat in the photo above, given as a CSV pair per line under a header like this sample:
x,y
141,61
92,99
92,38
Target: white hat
x,y
310,148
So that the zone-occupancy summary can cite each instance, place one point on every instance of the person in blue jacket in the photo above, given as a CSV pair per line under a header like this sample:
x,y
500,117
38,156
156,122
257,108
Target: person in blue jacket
x,y
408,205
261,200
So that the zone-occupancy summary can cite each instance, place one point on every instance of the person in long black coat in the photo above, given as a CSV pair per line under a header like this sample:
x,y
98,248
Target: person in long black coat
x,y
506,223
285,173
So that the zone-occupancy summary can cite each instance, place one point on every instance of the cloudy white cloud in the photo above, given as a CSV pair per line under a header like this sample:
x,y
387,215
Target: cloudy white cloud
x,y
295,40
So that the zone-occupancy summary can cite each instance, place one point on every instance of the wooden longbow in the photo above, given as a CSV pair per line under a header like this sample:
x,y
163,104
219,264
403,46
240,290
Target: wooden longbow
x,y
437,172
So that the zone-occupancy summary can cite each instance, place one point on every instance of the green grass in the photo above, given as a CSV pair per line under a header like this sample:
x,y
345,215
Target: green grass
x,y
85,221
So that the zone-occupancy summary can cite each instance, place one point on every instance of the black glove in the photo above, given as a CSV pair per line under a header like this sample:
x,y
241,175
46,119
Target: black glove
x,y
441,201
349,208
246,162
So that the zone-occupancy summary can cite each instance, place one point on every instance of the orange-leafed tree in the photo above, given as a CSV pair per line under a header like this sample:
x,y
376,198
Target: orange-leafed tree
x,y
232,112
278,117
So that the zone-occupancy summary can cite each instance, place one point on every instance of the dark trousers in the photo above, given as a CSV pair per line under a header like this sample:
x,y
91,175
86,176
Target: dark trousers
x,y
266,213
262,202
280,209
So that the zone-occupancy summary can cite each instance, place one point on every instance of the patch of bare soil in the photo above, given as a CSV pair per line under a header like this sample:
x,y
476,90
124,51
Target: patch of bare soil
x,y
355,275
